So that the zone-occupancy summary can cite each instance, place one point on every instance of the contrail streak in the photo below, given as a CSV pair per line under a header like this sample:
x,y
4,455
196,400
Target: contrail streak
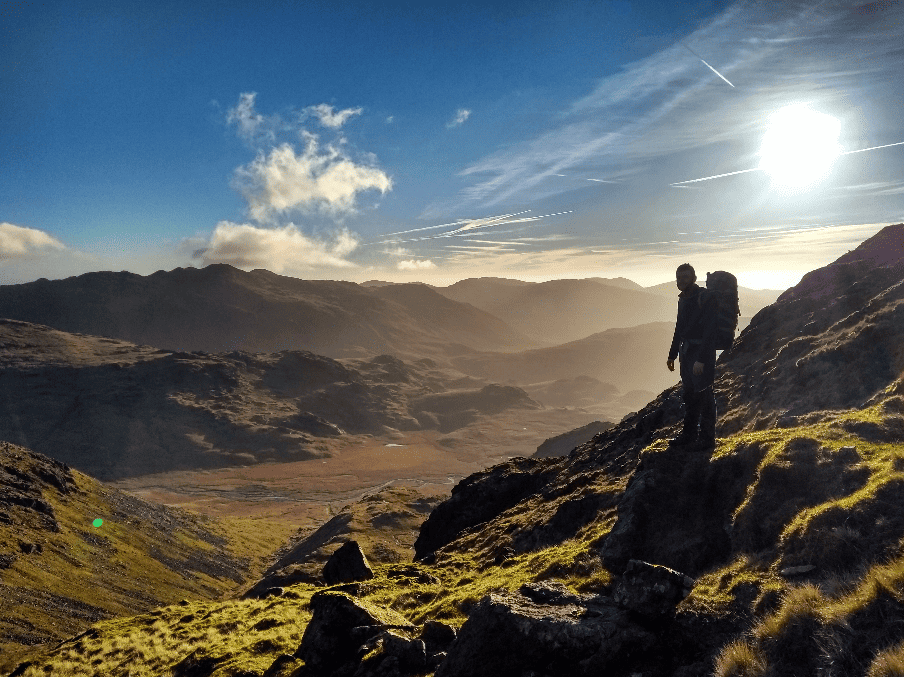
x,y
680,184
717,176
863,150
706,64
466,227
460,222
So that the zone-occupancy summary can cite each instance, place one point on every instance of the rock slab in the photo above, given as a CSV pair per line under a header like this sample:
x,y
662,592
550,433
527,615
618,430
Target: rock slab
x,y
509,635
347,565
651,590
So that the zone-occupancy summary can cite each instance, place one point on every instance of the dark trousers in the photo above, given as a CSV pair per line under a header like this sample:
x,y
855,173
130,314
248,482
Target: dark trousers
x,y
699,398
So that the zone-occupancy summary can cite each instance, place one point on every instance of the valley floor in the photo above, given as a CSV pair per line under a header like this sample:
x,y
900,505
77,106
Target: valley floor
x,y
304,494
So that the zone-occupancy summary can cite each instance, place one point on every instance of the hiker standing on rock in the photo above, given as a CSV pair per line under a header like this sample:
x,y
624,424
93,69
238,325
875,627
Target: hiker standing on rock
x,y
695,342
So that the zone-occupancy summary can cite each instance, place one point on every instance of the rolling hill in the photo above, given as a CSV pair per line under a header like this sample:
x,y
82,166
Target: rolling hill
x,y
220,308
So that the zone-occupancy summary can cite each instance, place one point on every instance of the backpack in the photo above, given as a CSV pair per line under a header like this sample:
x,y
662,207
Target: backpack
x,y
724,286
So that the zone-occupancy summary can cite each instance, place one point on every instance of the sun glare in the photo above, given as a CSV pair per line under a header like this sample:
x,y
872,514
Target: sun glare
x,y
800,145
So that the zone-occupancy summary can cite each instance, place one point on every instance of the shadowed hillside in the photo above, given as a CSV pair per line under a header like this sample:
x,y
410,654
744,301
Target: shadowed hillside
x,y
114,409
220,308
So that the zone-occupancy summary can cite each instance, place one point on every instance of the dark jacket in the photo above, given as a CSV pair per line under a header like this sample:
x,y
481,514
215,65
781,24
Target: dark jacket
x,y
697,318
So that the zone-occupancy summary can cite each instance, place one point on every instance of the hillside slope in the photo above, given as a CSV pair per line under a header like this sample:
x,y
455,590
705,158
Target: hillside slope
x,y
61,572
630,359
220,308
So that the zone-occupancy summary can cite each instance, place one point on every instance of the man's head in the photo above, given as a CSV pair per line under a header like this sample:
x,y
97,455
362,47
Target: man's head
x,y
685,276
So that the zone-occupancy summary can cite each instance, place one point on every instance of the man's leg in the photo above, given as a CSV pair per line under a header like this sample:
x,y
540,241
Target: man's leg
x,y
706,398
691,406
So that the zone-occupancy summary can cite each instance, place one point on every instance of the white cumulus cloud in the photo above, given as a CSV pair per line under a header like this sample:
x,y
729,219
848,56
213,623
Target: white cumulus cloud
x,y
324,179
461,115
329,117
19,242
285,249
415,264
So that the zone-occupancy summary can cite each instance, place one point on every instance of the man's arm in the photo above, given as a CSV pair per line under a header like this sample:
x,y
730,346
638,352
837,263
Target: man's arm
x,y
676,342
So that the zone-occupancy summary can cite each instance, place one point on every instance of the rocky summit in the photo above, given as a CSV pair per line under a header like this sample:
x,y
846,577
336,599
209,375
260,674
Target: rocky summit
x,y
776,554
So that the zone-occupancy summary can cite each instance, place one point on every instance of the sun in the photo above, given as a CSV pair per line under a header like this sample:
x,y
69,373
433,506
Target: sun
x,y
800,145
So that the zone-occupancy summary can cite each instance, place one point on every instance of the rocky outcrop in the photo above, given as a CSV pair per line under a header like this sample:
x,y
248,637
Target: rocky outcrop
x,y
342,631
478,499
347,565
545,630
677,510
24,476
651,590
386,520
560,445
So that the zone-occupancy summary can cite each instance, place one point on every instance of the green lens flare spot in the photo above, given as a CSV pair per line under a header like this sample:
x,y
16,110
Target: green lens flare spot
x,y
98,522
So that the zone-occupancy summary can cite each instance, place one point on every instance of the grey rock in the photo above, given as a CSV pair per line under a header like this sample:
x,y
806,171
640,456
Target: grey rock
x,y
347,565
329,642
651,590
510,635
410,653
437,636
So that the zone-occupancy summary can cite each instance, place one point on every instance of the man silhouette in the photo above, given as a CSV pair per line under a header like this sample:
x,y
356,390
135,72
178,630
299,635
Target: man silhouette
x,y
694,341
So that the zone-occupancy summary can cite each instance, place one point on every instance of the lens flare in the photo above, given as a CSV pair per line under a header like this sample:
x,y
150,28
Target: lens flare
x,y
800,145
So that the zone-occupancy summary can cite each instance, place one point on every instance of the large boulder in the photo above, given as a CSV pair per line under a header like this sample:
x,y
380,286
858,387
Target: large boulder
x,y
545,631
341,631
347,565
651,590
677,507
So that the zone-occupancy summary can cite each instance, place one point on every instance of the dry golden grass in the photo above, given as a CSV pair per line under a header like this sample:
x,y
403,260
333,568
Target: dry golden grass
x,y
888,663
739,659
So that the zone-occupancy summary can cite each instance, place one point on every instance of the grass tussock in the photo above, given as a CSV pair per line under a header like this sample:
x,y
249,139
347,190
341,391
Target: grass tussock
x,y
888,663
739,659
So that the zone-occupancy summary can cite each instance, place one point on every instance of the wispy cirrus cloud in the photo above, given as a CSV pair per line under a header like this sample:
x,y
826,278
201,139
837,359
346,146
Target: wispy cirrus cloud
x,y
283,249
672,101
461,116
19,242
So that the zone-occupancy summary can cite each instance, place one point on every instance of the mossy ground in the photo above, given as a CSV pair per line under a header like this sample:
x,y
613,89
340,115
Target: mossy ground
x,y
846,606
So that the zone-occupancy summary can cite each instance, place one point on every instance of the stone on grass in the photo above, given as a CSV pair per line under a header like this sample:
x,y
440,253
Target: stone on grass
x,y
651,590
509,635
347,565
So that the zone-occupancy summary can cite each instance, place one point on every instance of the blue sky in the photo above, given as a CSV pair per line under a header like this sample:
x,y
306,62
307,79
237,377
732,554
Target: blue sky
x,y
438,141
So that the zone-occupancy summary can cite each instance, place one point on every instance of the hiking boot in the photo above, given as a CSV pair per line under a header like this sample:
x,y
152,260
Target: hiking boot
x,y
684,438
